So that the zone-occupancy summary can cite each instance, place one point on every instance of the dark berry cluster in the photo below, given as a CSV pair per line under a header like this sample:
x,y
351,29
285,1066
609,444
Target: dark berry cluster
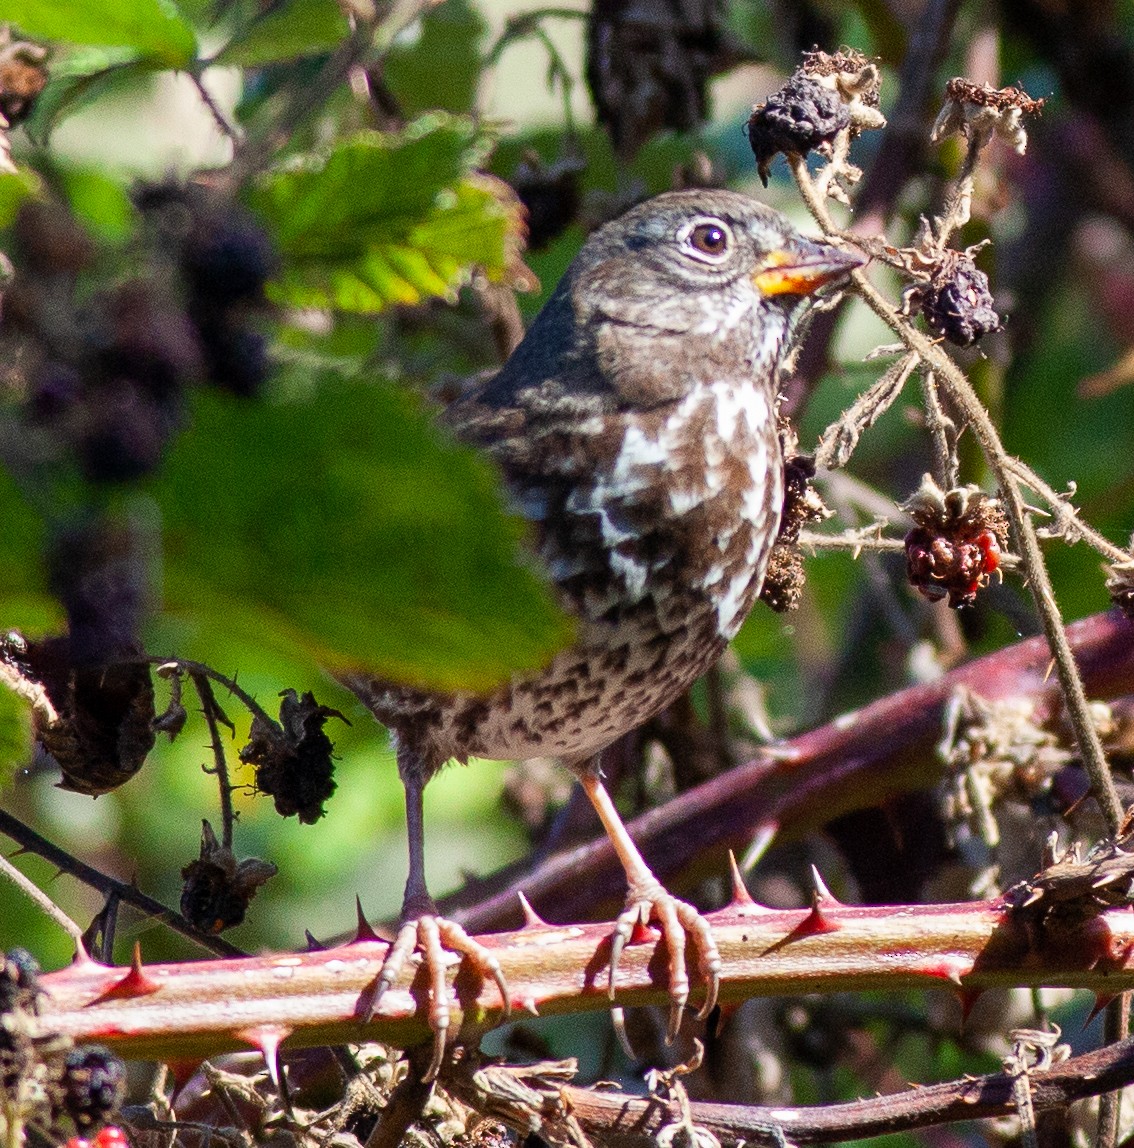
x,y
956,301
803,115
105,373
293,759
225,260
93,1084
955,544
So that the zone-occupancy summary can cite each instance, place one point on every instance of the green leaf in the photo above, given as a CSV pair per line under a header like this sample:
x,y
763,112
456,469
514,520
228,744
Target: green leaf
x,y
342,521
151,27
453,32
99,201
288,31
15,187
386,220
15,734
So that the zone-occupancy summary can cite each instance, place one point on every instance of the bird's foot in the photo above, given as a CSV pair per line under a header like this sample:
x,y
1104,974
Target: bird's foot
x,y
433,936
649,901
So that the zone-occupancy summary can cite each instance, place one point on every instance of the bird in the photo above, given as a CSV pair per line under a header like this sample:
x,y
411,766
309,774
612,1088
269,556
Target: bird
x,y
635,428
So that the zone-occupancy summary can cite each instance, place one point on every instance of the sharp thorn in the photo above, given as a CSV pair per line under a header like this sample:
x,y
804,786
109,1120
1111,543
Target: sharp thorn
x,y
365,931
532,920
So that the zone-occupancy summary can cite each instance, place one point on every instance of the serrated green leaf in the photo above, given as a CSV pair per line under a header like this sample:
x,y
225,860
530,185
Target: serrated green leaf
x,y
342,520
152,28
385,220
288,31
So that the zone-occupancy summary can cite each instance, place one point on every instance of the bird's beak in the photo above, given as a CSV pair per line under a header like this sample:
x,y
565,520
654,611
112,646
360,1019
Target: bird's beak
x,y
803,268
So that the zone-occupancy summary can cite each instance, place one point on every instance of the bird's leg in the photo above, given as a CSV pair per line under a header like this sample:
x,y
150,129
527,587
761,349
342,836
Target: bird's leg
x,y
647,898
423,929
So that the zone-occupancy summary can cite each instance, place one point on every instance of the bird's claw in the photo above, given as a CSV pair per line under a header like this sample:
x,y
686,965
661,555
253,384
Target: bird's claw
x,y
433,936
675,918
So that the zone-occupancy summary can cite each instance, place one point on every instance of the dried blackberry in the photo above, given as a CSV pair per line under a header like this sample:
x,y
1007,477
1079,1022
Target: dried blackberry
x,y
19,980
550,195
649,63
784,578
217,888
801,116
956,302
93,1084
293,759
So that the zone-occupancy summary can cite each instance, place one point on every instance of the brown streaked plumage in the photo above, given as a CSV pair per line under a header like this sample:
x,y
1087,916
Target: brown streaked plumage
x,y
635,427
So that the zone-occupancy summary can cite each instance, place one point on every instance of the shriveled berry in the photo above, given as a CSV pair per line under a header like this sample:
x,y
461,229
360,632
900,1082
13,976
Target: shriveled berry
x,y
551,195
94,1081
801,116
293,759
956,302
217,888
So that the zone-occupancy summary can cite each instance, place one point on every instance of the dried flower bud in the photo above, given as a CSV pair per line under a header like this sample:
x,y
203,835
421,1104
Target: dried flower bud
x,y
293,760
979,112
23,75
956,300
1120,586
784,577
954,546
217,888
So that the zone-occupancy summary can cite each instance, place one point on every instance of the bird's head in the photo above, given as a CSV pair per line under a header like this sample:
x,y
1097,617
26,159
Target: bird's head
x,y
714,271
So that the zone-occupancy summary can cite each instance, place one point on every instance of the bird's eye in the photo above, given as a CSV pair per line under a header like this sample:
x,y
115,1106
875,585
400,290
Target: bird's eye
x,y
709,239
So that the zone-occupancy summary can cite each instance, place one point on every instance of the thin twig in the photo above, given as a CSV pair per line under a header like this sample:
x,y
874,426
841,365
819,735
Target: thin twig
x,y
1116,1026
43,902
999,461
200,669
1067,520
227,128
32,842
213,717
942,433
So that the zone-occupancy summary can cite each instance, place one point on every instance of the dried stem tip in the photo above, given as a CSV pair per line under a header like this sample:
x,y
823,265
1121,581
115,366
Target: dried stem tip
x,y
979,112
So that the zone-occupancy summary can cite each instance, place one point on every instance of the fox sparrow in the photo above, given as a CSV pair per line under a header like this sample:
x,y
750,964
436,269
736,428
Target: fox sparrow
x,y
635,428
